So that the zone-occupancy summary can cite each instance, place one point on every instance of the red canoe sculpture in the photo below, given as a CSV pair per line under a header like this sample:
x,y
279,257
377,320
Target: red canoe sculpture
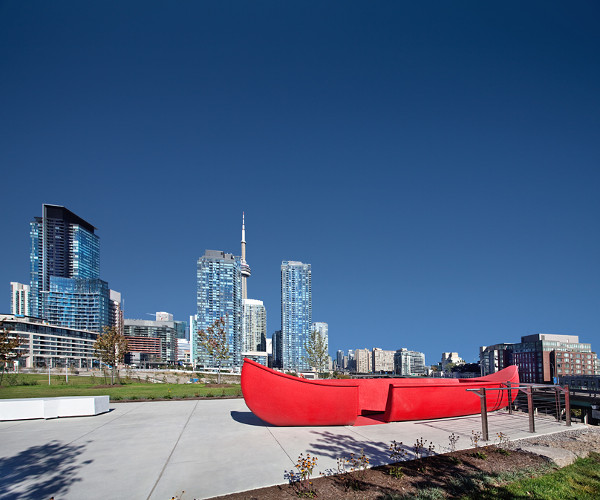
x,y
284,400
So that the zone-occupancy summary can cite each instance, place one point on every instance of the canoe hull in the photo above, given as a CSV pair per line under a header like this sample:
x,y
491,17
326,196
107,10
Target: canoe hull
x,y
284,400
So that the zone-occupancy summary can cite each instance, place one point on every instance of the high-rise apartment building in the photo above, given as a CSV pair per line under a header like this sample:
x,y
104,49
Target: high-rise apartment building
x,y
362,361
296,313
409,362
451,357
116,310
277,348
494,358
82,304
19,299
193,338
382,361
254,326
323,330
219,295
181,327
340,363
66,288
183,351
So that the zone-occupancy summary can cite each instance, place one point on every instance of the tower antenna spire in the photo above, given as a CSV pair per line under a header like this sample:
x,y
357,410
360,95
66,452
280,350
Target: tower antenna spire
x,y
243,229
245,266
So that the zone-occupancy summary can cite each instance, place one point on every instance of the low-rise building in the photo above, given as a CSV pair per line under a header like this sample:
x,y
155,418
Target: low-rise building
x,y
541,358
144,352
164,331
45,345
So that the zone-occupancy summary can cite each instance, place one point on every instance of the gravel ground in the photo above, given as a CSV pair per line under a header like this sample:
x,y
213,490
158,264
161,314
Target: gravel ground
x,y
581,441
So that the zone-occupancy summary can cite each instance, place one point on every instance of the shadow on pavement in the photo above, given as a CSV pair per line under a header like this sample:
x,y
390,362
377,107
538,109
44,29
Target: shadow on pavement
x,y
337,446
40,472
248,418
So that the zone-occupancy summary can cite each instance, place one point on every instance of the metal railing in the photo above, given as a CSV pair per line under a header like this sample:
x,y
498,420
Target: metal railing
x,y
551,400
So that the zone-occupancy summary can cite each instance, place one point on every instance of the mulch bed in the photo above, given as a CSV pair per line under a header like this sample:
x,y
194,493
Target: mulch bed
x,y
449,472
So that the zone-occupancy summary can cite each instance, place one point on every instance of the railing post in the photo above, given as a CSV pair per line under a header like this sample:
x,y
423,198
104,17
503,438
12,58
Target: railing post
x,y
530,409
557,403
484,420
509,399
567,406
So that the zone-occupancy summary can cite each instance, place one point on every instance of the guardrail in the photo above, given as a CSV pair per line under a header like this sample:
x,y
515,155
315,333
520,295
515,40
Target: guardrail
x,y
548,399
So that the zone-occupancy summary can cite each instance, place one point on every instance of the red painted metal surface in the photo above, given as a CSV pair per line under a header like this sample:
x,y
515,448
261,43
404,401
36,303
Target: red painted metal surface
x,y
283,400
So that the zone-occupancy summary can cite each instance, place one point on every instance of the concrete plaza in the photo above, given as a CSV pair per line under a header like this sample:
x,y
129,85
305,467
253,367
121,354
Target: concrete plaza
x,y
156,450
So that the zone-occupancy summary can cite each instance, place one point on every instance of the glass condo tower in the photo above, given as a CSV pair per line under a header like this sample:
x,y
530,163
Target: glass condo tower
x,y
296,313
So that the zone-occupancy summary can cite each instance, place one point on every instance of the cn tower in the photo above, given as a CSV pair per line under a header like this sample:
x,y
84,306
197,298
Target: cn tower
x,y
245,267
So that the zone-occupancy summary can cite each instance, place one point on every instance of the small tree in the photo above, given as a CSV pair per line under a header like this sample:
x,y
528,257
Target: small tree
x,y
214,342
9,347
111,347
316,351
449,368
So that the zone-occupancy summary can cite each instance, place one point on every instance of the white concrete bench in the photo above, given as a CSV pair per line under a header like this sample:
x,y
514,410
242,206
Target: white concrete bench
x,y
72,406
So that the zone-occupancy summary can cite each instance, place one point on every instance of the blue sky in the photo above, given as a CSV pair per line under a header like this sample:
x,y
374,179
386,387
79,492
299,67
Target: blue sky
x,y
436,162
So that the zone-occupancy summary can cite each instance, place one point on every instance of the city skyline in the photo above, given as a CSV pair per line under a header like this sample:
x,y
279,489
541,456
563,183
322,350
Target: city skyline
x,y
436,165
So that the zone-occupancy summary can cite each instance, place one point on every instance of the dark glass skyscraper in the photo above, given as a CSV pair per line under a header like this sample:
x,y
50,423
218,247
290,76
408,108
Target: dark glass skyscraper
x,y
66,288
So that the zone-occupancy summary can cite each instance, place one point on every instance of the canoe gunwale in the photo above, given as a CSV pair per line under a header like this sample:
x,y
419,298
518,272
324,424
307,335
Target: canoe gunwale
x,y
294,379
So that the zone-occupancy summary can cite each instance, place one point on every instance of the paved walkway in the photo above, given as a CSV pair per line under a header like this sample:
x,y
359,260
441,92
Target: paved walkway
x,y
207,448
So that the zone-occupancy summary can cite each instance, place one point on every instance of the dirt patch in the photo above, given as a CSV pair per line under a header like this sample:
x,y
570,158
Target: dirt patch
x,y
449,472
452,474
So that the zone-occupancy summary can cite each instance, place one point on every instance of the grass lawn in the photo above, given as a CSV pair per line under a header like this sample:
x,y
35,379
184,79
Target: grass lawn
x,y
37,387
580,481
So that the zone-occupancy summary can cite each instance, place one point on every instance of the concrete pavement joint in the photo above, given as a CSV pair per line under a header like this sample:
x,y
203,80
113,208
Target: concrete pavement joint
x,y
172,451
353,429
11,423
100,426
282,448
